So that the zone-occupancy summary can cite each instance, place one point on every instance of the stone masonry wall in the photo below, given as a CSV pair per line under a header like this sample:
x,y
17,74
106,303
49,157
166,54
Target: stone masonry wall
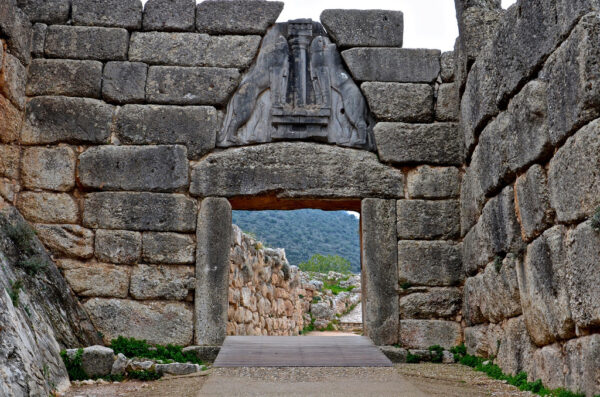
x,y
530,122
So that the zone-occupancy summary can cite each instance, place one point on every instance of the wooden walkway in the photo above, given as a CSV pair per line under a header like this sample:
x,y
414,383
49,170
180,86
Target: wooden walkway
x,y
300,351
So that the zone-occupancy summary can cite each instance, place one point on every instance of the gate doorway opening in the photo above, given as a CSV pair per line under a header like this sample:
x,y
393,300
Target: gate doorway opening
x,y
295,272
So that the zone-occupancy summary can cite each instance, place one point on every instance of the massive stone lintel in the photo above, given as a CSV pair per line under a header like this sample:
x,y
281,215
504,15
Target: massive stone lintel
x,y
297,89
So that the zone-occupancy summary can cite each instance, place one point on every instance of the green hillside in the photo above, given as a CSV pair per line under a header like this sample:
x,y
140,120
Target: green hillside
x,y
305,232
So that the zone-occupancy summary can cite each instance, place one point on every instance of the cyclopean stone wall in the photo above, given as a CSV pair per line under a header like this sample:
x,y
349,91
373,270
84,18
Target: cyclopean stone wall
x,y
529,120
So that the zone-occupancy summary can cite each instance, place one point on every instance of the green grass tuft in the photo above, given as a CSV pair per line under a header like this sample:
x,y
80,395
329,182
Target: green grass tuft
x,y
132,347
73,365
437,353
412,358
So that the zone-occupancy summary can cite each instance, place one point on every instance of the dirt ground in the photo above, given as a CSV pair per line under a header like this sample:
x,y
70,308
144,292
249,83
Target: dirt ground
x,y
431,379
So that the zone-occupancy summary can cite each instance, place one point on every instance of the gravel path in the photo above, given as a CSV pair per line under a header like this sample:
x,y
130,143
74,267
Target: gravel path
x,y
354,317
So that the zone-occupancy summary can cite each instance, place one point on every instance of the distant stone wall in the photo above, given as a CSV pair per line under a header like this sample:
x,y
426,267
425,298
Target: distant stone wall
x,y
530,118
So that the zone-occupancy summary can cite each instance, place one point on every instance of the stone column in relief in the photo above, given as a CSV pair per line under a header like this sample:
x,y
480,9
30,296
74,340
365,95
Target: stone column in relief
x,y
380,271
212,270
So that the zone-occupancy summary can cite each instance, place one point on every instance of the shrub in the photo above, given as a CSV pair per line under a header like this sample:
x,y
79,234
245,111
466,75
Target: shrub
x,y
323,264
22,235
412,358
73,365
33,265
144,375
437,353
335,288
13,292
132,347
405,285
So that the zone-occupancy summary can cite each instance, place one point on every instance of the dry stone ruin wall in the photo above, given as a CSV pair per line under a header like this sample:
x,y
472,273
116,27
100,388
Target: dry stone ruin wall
x,y
529,119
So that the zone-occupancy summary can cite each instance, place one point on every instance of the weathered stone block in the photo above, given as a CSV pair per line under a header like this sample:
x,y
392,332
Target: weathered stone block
x,y
118,13
38,40
426,220
81,42
162,282
9,161
193,126
399,102
548,366
96,279
191,86
243,16
169,248
533,203
482,340
15,25
67,240
145,168
448,103
97,360
171,15
380,271
573,169
204,353
156,322
48,207
401,143
435,303
124,82
297,169
402,65
213,238
493,295
12,80
447,61
472,198
583,276
515,353
364,28
64,77
11,120
430,263
193,49
421,334
48,168
46,11
573,81
140,211
544,289
118,246
582,357
427,182
72,120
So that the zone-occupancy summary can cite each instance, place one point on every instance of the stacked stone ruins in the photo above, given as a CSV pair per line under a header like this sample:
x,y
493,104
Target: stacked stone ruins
x,y
128,133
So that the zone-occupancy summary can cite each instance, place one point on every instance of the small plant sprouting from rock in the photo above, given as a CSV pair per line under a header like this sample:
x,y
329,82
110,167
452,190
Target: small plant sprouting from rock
x,y
437,353
132,347
33,265
14,290
595,220
405,285
74,365
412,358
23,237
498,263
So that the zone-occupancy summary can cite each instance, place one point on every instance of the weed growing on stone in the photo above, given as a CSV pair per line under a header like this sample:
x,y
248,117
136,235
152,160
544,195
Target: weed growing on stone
x,y
334,287
519,380
14,290
412,358
498,263
596,220
309,327
405,285
132,347
22,236
33,265
437,353
144,375
73,365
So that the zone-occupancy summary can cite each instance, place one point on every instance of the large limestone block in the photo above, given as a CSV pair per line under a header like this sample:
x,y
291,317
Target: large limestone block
x,y
213,238
427,182
297,170
515,351
68,240
582,357
96,279
97,360
168,248
402,143
16,27
116,13
574,169
243,16
483,340
543,284
64,77
156,322
548,366
134,168
472,198
79,42
402,65
447,106
427,220
38,40
406,102
171,15
430,263
140,211
12,80
573,81
193,126
71,120
162,282
533,202
364,28
118,246
442,303
11,120
493,295
380,270
48,168
124,82
193,49
583,277
447,61
46,11
190,85
421,334
9,161
45,207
